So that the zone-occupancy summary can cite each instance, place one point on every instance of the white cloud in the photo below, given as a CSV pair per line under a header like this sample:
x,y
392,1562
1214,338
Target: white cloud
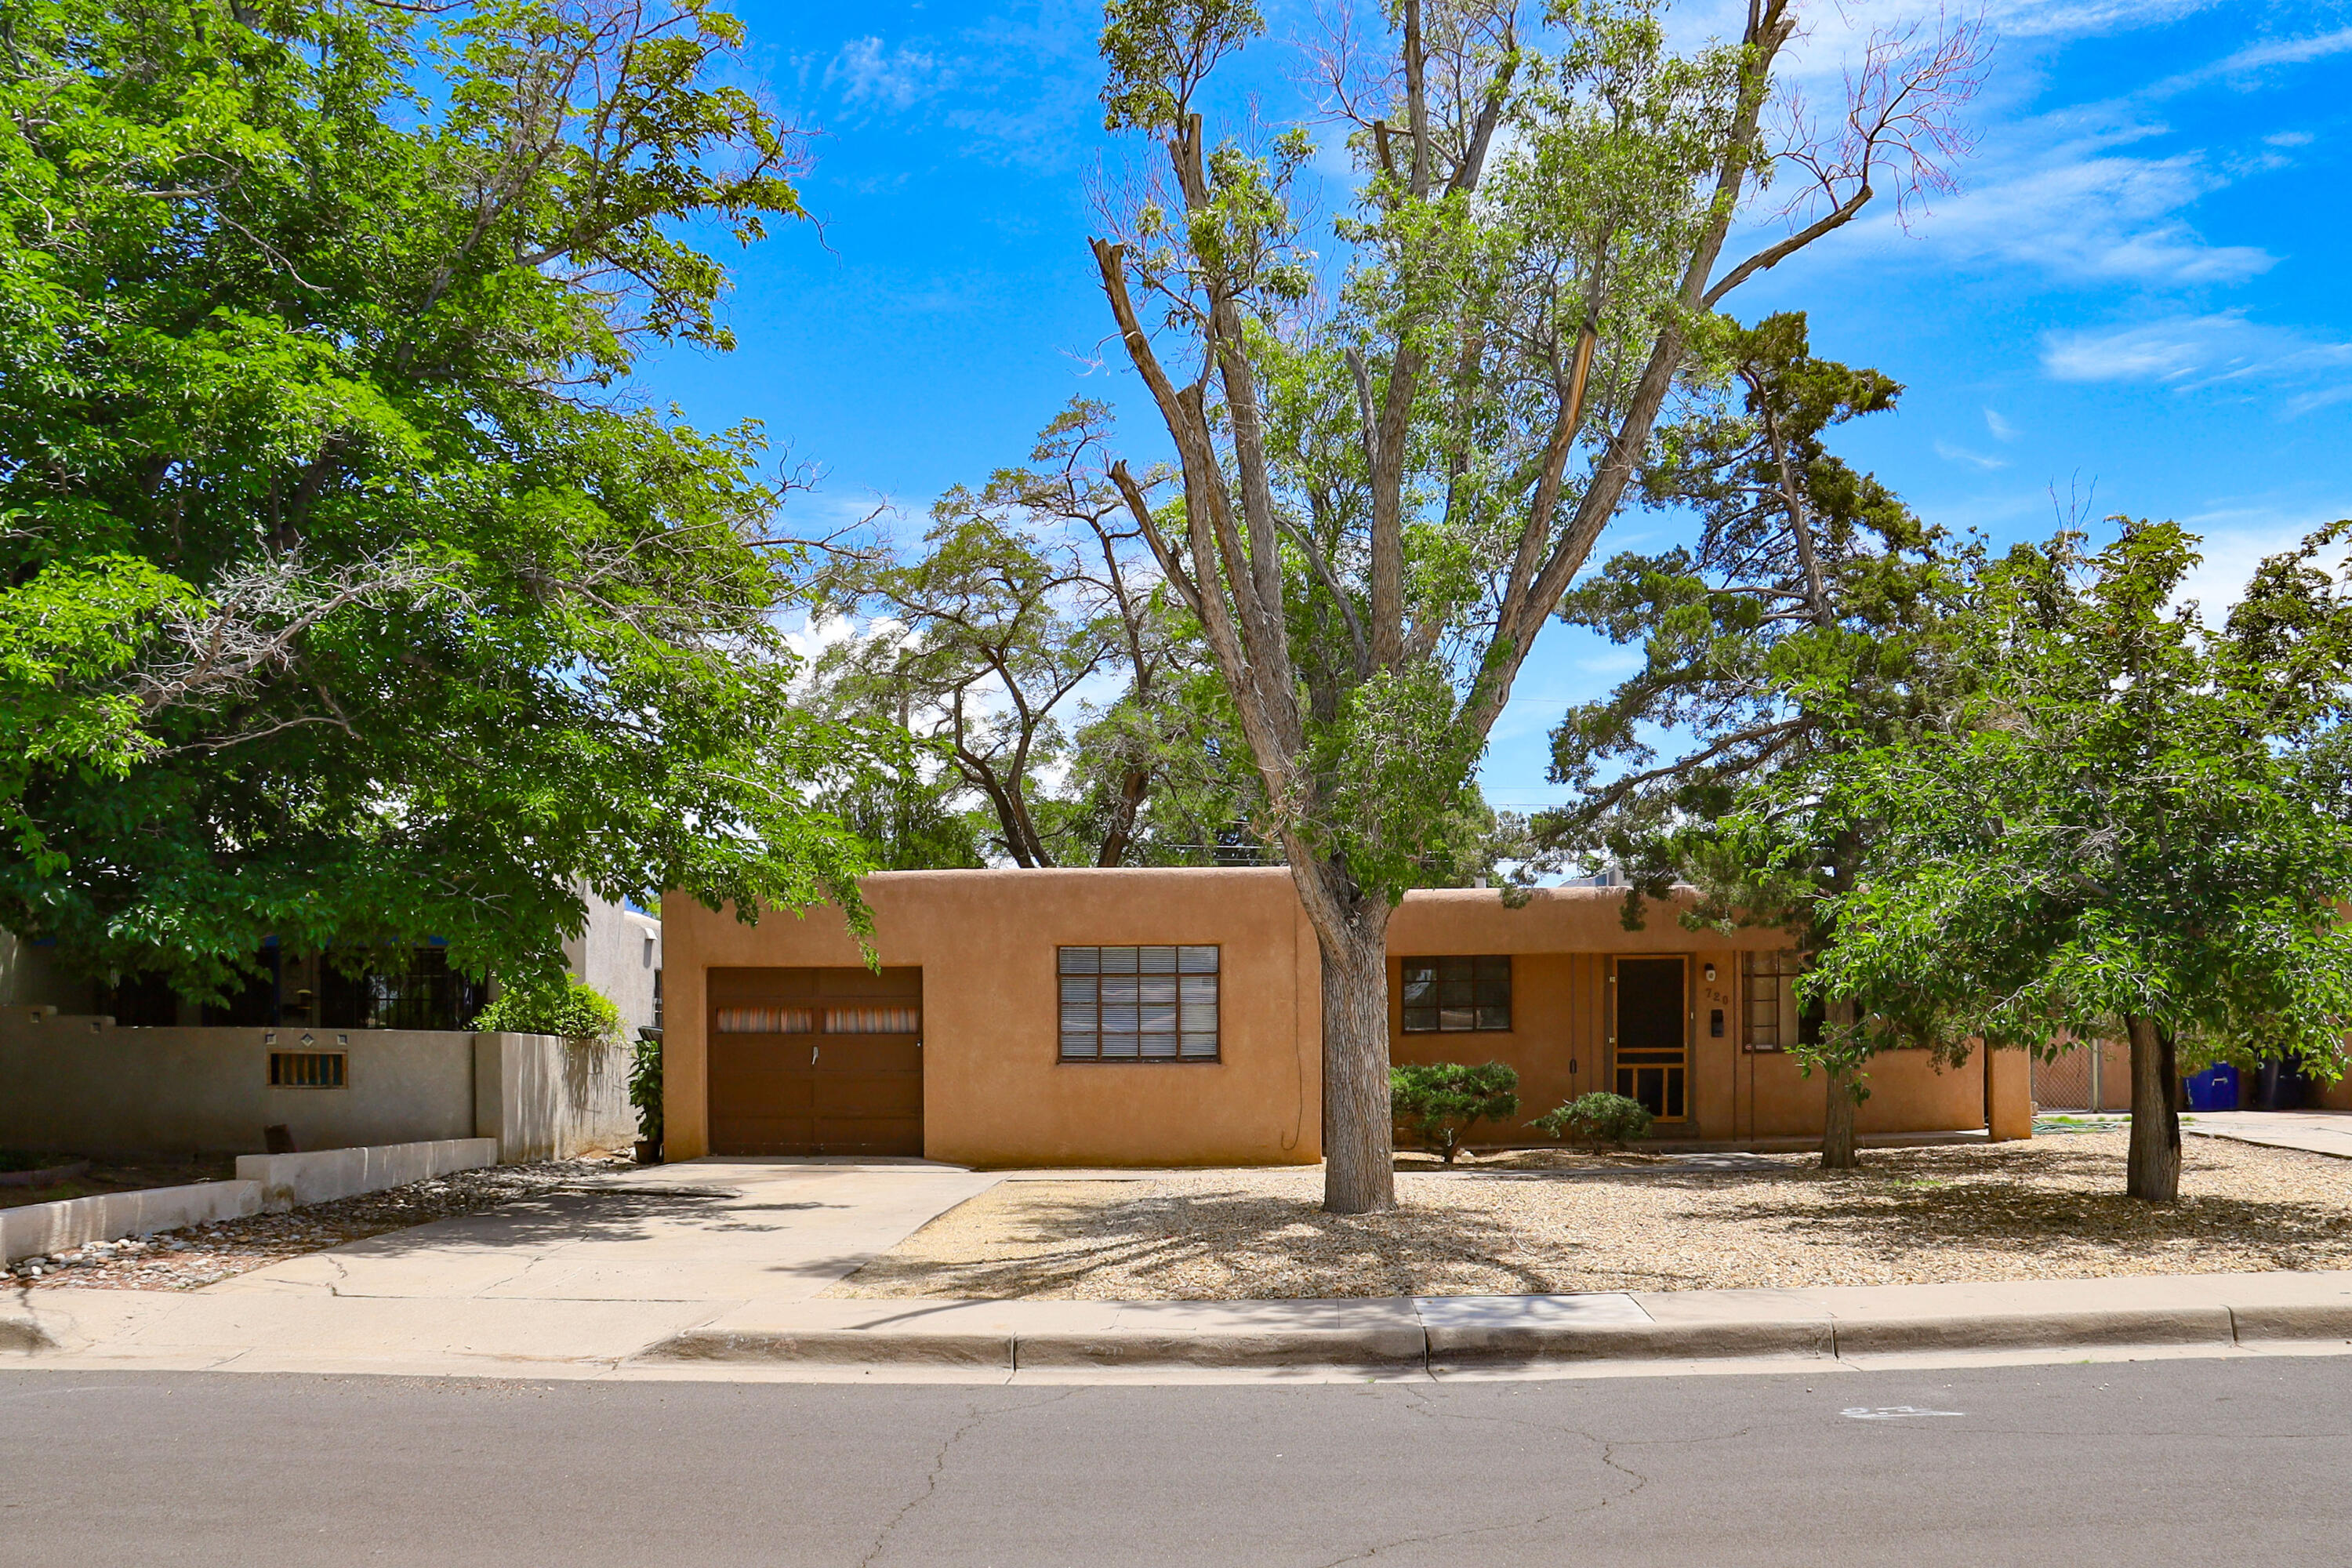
x,y
2241,68
1952,454
2192,354
2082,209
2235,539
867,73
2001,429
2081,194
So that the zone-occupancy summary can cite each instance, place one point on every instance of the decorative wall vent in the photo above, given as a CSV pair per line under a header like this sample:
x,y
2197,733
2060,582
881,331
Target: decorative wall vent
x,y
308,1069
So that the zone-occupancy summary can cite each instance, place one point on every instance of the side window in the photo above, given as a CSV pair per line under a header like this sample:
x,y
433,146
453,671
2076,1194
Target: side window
x,y
1774,1022
1139,1004
1457,994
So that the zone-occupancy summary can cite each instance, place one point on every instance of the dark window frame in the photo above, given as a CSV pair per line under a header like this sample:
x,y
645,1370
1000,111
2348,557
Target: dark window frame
x,y
1079,999
1464,994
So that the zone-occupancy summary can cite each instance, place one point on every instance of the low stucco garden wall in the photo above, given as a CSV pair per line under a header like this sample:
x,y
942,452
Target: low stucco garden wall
x,y
80,1085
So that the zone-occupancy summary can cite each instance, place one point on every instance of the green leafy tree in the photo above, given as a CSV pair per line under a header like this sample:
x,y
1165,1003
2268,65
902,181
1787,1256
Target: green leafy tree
x,y
1440,1101
1399,439
1031,646
2133,826
1806,620
341,599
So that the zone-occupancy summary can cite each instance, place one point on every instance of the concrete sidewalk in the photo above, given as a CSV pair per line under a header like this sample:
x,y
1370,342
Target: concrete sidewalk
x,y
579,1279
2313,1132
715,1270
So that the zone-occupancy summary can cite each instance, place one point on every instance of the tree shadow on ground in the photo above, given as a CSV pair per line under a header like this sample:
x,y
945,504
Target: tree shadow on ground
x,y
1230,1245
2042,1201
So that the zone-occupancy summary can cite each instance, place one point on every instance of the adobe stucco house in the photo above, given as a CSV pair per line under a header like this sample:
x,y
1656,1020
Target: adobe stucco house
x,y
1131,1017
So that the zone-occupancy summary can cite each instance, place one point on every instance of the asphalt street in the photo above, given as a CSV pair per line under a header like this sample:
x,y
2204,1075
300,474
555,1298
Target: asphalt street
x,y
2183,1461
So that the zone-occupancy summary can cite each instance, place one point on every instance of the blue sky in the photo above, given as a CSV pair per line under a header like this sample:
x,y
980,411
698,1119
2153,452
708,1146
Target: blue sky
x,y
2139,289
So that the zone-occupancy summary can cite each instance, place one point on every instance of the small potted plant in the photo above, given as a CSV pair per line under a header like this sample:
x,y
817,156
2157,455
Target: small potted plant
x,y
645,1094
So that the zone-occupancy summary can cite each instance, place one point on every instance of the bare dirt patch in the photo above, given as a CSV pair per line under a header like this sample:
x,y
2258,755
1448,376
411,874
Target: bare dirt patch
x,y
2051,1209
202,1254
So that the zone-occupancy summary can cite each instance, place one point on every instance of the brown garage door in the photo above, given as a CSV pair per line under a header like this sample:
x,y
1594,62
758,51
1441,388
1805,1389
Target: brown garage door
x,y
816,1061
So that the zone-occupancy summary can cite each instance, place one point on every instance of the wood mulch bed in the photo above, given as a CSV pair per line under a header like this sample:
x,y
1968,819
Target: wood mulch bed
x,y
2049,1209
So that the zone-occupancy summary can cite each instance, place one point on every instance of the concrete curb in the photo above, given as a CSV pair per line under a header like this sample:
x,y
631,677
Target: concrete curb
x,y
2034,1331
1438,1347
2315,1321
838,1347
1527,1345
1401,1345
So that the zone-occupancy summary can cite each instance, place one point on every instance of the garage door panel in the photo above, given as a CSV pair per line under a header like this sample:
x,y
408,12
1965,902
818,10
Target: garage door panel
x,y
879,1138
869,1096
864,984
838,1084
868,1054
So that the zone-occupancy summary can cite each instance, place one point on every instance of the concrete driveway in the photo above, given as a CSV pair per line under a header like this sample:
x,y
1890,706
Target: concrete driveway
x,y
2315,1132
568,1283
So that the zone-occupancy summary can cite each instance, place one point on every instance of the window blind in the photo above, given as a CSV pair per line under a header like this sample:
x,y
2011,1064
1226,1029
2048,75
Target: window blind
x,y
1139,1004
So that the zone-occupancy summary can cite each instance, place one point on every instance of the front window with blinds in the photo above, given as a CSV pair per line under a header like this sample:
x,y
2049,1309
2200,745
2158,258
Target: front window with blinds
x,y
1139,1004
1457,995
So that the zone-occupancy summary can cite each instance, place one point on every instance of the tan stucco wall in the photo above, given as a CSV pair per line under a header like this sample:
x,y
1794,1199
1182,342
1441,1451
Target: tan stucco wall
x,y
30,976
79,1084
994,1092
1563,944
994,1089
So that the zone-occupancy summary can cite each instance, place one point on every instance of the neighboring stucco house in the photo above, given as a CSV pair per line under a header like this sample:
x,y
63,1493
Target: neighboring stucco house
x,y
1126,1017
619,953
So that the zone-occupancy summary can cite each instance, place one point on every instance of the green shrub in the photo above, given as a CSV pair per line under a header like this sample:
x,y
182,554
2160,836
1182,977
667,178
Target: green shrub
x,y
1441,1100
576,1012
646,1090
1596,1119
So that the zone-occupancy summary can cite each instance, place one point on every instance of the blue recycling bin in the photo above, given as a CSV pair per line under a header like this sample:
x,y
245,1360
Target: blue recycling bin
x,y
2215,1089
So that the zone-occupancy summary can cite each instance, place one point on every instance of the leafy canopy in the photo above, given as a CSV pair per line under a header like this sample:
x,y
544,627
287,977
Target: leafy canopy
x,y
339,599
2132,817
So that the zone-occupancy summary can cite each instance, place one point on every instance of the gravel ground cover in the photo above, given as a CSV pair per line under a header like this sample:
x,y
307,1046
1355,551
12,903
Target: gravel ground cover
x,y
2051,1208
203,1254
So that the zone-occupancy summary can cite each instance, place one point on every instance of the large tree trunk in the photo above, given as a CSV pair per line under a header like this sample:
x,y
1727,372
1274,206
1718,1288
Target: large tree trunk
x,y
1359,1136
1837,1114
1837,1124
2154,1173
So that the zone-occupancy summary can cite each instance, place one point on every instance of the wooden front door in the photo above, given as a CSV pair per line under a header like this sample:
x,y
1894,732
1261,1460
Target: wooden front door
x,y
1652,1058
816,1061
